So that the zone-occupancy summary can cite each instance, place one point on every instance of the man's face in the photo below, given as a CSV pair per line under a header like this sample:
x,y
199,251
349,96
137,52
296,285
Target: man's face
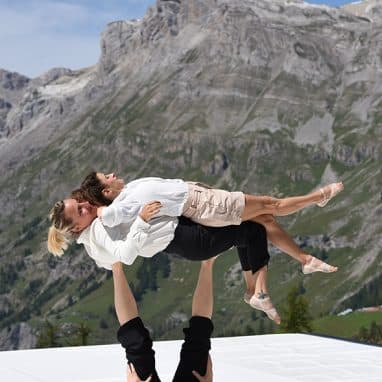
x,y
81,214
113,184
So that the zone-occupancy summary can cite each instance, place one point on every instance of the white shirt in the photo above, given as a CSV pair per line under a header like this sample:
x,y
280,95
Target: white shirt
x,y
172,193
107,246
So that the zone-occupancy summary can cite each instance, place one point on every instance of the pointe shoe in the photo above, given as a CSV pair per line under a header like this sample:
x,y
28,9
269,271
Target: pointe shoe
x,y
247,297
316,265
265,305
334,189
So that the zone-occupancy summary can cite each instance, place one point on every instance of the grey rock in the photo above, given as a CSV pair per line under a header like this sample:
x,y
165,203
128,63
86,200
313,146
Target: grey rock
x,y
17,337
370,9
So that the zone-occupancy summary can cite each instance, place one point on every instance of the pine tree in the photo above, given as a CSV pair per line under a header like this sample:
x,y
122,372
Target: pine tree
x,y
83,334
296,317
48,336
363,334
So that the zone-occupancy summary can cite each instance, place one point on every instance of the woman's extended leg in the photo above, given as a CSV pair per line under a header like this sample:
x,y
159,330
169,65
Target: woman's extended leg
x,y
280,239
260,205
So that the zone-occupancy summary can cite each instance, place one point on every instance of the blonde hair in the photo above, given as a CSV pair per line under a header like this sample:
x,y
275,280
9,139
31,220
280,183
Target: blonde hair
x,y
59,235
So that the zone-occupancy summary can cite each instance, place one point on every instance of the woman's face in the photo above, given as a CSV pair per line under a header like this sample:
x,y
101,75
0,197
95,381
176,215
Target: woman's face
x,y
81,214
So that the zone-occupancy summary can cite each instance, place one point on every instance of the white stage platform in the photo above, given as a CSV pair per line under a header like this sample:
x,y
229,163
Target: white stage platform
x,y
267,358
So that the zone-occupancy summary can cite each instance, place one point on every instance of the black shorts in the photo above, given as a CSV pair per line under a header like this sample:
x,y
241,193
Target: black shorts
x,y
194,241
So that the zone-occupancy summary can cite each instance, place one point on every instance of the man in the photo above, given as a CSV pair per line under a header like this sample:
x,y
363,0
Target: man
x,y
195,363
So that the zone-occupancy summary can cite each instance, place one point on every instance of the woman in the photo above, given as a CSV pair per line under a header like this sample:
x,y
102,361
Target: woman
x,y
201,203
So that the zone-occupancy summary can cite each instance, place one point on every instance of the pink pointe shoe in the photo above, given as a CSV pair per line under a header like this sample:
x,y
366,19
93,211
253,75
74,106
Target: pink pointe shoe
x,y
316,265
265,305
327,194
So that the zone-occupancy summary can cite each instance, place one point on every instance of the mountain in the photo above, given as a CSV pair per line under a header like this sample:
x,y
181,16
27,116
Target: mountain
x,y
272,97
370,9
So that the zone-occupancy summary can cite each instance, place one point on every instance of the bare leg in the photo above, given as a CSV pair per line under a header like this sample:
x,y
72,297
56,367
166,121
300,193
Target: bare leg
x,y
279,238
202,302
125,304
285,243
261,282
260,205
250,284
261,300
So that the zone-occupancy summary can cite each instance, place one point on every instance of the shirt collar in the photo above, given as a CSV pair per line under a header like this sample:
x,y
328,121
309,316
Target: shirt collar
x,y
84,237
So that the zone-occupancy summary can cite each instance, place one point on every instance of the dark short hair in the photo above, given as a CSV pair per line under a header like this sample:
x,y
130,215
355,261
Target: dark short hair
x,y
92,190
79,195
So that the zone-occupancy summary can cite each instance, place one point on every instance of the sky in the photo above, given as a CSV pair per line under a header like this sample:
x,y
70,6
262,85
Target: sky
x,y
37,35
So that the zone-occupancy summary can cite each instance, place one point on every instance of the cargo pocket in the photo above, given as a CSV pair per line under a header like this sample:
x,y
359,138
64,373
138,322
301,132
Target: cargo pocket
x,y
196,199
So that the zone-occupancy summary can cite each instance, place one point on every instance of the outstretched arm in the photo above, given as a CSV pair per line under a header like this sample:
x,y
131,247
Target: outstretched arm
x,y
202,302
132,334
125,304
194,364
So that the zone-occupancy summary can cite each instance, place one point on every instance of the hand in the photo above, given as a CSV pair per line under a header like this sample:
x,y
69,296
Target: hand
x,y
208,376
99,211
132,375
149,210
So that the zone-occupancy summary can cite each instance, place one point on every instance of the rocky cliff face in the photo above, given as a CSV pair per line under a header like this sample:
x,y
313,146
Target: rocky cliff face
x,y
20,336
12,86
265,96
370,9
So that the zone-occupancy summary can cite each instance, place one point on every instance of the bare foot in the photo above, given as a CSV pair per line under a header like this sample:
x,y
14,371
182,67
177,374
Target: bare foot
x,y
328,192
316,265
